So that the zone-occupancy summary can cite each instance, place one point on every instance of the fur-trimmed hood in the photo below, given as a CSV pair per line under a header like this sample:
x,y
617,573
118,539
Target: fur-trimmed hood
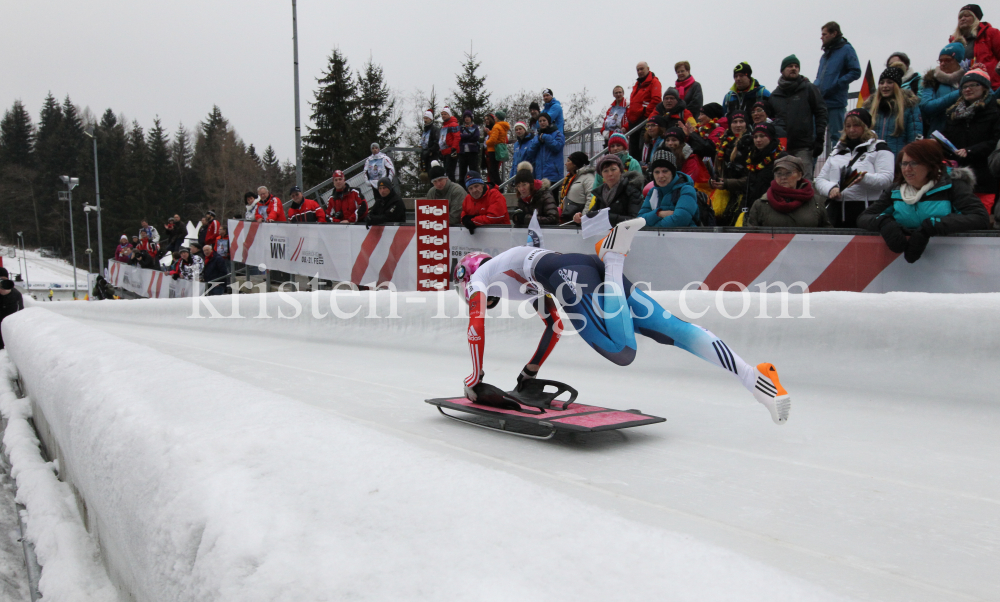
x,y
935,77
960,174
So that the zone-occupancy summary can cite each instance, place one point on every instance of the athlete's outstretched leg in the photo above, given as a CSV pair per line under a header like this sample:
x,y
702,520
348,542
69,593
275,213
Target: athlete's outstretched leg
x,y
662,326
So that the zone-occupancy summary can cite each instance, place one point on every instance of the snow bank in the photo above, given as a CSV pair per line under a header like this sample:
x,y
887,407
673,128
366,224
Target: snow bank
x,y
205,488
72,570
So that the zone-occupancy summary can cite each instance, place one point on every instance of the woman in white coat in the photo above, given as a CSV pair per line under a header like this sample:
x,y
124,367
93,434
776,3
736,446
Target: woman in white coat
x,y
859,150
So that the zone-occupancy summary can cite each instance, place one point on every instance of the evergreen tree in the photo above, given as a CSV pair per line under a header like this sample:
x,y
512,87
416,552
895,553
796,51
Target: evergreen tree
x,y
252,152
17,137
272,171
329,143
471,94
18,202
377,120
163,177
139,174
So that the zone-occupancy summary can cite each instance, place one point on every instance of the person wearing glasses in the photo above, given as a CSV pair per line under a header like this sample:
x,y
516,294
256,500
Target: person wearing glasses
x,y
973,127
927,199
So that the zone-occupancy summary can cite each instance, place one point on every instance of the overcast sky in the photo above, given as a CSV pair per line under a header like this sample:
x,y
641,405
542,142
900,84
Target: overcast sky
x,y
177,58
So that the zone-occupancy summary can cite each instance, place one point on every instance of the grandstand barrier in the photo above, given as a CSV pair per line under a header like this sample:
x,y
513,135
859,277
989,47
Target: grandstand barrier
x,y
151,283
828,260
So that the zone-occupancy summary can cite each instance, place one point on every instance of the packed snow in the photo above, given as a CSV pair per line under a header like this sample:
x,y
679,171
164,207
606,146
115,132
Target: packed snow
x,y
295,459
73,571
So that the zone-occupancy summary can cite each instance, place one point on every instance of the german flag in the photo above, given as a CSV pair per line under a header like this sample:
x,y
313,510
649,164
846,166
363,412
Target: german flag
x,y
867,86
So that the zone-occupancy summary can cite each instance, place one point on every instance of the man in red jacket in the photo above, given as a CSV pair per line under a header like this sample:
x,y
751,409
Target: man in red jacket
x,y
646,94
346,205
451,137
275,211
212,228
482,205
303,210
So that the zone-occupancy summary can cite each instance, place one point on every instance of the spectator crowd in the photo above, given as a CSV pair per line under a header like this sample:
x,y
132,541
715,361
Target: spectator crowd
x,y
917,157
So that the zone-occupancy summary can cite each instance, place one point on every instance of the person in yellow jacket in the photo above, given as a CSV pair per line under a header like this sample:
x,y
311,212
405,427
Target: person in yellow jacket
x,y
497,131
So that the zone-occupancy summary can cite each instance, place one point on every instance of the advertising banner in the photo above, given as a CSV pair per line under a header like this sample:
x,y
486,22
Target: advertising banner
x,y
433,247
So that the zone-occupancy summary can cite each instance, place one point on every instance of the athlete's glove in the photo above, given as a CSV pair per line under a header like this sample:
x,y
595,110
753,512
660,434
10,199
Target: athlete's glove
x,y
918,241
468,223
892,233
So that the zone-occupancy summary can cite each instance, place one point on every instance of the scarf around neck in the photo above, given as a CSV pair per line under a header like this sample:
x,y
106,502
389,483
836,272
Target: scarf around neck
x,y
786,200
911,195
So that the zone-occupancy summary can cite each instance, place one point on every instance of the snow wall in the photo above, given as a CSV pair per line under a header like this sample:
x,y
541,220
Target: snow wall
x,y
198,486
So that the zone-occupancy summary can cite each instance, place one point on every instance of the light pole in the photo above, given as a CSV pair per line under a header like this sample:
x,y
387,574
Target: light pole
x,y
97,187
87,208
27,285
298,128
71,183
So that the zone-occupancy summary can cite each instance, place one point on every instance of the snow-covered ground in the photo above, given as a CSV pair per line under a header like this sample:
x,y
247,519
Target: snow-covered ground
x,y
47,273
884,484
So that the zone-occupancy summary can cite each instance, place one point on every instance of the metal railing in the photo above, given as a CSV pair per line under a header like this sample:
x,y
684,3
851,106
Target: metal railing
x,y
581,132
603,152
358,180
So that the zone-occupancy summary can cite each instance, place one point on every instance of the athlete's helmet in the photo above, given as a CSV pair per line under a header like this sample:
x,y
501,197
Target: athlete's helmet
x,y
466,267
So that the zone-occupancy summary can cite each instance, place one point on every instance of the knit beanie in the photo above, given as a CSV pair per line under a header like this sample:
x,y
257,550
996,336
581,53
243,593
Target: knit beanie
x,y
546,116
902,56
429,115
579,159
525,173
501,115
534,106
521,124
738,114
765,106
978,76
659,120
672,92
676,132
467,113
974,9
955,50
446,110
664,158
436,172
892,73
618,138
4,273
608,159
862,114
790,60
743,67
767,129
473,177
714,110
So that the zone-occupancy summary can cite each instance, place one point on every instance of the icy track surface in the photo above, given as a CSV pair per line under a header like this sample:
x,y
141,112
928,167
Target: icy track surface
x,y
884,484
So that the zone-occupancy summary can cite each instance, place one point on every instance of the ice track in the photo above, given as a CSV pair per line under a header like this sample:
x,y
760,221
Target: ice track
x,y
884,484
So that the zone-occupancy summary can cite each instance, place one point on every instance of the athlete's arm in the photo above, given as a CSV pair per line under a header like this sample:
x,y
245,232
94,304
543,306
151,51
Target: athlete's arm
x,y
476,336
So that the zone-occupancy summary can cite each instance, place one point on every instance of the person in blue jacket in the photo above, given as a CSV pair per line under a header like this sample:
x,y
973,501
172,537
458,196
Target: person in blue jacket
x,y
549,162
672,202
939,89
554,108
838,67
525,145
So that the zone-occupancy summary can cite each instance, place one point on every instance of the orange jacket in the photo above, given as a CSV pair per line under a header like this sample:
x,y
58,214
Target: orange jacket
x,y
498,135
491,208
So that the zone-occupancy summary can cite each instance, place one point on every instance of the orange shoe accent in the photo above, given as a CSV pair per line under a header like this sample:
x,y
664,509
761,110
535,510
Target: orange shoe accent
x,y
771,372
597,247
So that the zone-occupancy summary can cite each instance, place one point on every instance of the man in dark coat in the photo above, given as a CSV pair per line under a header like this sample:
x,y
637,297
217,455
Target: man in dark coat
x,y
215,272
800,114
10,299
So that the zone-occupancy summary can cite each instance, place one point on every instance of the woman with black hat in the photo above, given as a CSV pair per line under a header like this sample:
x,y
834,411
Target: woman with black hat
x,y
981,41
578,183
895,113
859,169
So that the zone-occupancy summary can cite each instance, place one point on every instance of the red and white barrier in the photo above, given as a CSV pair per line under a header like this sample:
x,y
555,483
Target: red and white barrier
x,y
150,283
666,259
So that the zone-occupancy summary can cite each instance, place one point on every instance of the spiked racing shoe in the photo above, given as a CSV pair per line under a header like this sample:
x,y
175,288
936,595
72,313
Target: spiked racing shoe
x,y
768,390
619,240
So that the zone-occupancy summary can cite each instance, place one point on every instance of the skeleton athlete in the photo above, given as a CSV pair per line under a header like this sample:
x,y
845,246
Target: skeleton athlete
x,y
603,307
